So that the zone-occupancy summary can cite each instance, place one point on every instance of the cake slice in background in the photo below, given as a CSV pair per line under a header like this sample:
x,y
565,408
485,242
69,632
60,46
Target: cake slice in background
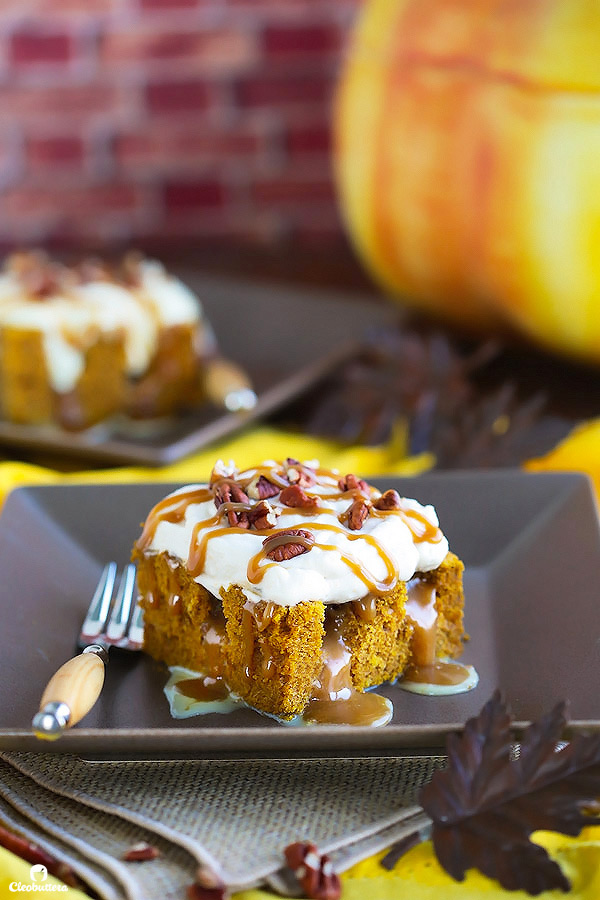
x,y
81,343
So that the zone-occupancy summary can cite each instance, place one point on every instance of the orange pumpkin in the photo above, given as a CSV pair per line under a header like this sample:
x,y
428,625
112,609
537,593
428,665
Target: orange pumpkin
x,y
467,142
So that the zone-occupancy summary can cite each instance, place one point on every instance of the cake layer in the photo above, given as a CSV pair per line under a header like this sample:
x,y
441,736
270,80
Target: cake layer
x,y
272,655
82,343
26,393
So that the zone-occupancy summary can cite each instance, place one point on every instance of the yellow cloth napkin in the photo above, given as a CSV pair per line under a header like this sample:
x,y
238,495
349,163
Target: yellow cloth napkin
x,y
579,452
417,876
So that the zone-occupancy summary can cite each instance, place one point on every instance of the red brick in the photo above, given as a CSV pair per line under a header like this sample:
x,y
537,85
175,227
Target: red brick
x,y
70,9
77,204
55,152
305,140
34,47
169,149
293,9
304,40
9,157
68,102
167,5
280,91
177,96
227,226
287,191
134,46
208,51
182,196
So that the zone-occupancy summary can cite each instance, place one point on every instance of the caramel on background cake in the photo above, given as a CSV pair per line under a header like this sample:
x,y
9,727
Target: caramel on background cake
x,y
296,588
81,343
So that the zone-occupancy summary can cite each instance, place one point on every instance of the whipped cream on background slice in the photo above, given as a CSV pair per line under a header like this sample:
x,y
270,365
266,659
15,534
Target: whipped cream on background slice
x,y
114,308
318,575
66,326
70,322
172,300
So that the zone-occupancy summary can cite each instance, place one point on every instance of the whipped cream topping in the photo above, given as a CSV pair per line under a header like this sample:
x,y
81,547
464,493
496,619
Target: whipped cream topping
x,y
71,316
172,301
341,565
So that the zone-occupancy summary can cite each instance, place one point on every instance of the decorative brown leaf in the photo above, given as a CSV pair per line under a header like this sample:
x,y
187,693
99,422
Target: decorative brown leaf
x,y
447,394
486,803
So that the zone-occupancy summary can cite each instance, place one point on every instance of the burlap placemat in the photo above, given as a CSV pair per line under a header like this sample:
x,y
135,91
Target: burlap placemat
x,y
87,871
235,816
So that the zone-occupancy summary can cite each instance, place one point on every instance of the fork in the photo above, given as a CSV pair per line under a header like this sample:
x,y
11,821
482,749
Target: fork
x,y
74,688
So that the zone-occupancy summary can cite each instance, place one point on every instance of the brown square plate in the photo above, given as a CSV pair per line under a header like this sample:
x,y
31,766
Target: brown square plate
x,y
286,339
531,546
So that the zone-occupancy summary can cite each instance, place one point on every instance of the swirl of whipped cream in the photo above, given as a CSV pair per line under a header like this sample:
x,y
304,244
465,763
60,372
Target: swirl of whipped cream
x,y
342,565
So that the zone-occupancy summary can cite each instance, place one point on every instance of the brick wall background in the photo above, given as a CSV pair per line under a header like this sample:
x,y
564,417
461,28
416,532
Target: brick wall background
x,y
168,120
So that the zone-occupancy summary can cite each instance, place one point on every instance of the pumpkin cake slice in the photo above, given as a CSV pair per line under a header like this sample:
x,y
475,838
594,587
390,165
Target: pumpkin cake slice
x,y
296,589
82,343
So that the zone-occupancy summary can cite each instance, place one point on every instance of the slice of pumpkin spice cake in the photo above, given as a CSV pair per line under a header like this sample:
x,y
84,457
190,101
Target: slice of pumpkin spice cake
x,y
296,589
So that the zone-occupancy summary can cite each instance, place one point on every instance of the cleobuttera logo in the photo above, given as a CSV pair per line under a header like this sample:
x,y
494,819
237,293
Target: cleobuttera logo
x,y
38,873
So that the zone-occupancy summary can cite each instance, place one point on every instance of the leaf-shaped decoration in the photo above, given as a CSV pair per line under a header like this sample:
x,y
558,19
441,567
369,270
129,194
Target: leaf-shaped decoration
x,y
487,802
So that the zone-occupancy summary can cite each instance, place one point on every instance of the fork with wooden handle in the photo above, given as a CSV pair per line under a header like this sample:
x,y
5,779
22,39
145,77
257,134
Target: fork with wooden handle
x,y
74,688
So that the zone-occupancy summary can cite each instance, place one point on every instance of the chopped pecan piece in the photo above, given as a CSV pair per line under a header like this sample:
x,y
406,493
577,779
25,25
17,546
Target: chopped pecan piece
x,y
288,544
299,474
261,488
352,483
314,871
207,886
93,269
295,496
42,282
263,516
357,513
141,852
230,493
222,470
227,491
389,500
198,892
237,514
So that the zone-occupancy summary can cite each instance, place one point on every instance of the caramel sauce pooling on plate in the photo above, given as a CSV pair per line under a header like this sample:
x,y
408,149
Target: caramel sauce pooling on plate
x,y
424,667
335,700
211,685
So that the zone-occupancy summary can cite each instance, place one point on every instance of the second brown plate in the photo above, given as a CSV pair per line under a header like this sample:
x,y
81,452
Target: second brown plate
x,y
286,339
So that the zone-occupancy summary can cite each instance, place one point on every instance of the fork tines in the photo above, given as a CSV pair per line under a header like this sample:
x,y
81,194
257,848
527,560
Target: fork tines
x,y
111,621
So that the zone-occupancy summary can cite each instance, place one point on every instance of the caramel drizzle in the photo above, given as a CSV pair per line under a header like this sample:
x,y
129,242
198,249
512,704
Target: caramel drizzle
x,y
197,553
247,477
424,667
171,509
365,608
257,565
419,525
